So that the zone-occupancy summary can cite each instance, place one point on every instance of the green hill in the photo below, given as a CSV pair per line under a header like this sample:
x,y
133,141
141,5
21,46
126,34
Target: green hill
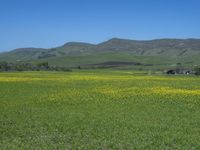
x,y
157,53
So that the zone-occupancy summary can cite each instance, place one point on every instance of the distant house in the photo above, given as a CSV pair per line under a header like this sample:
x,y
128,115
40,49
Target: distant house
x,y
171,72
178,71
187,72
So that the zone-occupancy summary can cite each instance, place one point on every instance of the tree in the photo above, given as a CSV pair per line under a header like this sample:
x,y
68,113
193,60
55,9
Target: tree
x,y
197,70
179,67
43,66
4,66
79,67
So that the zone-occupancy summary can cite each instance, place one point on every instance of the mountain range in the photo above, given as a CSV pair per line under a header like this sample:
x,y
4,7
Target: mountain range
x,y
158,53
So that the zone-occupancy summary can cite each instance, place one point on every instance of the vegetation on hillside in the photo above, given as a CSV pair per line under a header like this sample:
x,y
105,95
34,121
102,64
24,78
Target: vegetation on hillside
x,y
24,66
44,66
165,52
197,70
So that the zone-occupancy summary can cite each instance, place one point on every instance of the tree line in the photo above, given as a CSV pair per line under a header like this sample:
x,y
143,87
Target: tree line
x,y
25,66
197,70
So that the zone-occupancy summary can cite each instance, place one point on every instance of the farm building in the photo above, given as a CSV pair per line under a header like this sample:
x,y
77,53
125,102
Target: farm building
x,y
177,71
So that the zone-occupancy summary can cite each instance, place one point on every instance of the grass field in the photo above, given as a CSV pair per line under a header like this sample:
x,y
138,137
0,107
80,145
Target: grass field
x,y
99,110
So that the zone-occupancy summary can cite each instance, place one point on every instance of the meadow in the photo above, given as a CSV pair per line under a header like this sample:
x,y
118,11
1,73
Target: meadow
x,y
99,110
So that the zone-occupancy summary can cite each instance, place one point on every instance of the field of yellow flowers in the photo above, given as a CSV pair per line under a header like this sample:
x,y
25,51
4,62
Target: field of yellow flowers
x,y
99,110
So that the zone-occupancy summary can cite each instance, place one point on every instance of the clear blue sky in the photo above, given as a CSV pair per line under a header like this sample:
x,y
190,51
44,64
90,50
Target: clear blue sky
x,y
50,23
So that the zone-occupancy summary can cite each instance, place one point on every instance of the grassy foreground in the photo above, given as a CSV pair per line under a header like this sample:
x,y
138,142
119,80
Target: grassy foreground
x,y
98,110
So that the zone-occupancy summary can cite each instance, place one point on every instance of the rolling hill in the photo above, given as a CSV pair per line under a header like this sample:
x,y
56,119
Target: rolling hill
x,y
159,53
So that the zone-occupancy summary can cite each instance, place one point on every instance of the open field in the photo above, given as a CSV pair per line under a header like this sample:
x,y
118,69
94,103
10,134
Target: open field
x,y
99,110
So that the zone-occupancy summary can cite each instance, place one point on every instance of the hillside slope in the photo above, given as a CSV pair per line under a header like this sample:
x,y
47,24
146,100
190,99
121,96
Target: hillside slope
x,y
155,52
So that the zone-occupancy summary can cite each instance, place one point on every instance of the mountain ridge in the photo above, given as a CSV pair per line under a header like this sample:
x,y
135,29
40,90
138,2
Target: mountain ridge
x,y
115,49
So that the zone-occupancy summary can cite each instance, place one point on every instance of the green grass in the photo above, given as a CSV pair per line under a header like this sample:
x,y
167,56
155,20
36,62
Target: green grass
x,y
98,110
158,62
163,61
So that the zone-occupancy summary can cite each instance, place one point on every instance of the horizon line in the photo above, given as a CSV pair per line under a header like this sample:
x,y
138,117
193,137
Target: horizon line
x,y
113,38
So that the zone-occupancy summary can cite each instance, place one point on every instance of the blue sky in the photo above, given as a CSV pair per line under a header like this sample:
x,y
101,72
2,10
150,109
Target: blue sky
x,y
50,23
